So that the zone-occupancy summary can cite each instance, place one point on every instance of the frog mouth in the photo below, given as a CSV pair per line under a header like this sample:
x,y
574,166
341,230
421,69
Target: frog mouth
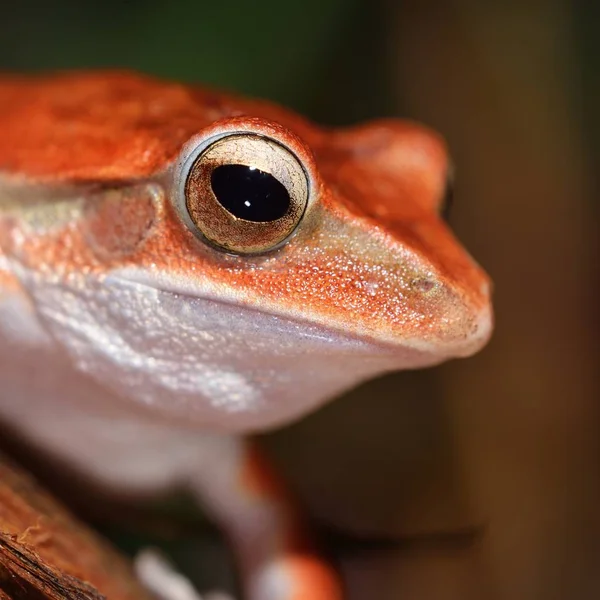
x,y
407,353
201,357
342,340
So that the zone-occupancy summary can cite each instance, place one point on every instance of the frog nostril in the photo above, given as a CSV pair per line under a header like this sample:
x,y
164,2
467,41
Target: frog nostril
x,y
423,284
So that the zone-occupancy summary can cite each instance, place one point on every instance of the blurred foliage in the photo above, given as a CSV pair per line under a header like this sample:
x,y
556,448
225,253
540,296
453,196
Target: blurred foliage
x,y
287,51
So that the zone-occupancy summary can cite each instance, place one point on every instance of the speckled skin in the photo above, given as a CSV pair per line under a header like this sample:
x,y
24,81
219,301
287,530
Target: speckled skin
x,y
128,315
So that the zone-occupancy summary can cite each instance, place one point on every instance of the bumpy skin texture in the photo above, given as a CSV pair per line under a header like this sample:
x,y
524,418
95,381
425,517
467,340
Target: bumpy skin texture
x,y
128,314
378,183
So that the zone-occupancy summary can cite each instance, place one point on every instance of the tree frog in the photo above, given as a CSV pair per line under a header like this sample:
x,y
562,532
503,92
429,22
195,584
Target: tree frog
x,y
181,266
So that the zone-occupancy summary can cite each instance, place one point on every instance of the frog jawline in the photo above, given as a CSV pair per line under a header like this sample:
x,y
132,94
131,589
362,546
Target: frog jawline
x,y
408,354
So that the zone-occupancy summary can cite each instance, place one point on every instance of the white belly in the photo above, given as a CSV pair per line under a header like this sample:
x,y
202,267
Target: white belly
x,y
71,419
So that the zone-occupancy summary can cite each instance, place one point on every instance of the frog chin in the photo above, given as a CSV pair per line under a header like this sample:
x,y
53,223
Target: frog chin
x,y
235,368
203,362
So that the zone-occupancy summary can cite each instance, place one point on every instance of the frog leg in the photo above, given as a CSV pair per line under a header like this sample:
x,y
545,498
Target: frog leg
x,y
266,530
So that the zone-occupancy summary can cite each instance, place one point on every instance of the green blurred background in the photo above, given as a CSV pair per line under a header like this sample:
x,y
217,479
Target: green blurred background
x,y
300,53
487,469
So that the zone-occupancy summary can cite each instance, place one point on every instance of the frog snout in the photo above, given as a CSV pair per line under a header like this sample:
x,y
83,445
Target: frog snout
x,y
465,322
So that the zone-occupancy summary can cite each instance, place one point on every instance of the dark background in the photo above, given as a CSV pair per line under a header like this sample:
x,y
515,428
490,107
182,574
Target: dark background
x,y
488,469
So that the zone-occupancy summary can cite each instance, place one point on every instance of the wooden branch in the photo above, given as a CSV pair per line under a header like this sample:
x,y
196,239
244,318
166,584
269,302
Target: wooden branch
x,y
47,554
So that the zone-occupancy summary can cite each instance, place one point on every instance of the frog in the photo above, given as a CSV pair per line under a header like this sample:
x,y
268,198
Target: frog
x,y
182,268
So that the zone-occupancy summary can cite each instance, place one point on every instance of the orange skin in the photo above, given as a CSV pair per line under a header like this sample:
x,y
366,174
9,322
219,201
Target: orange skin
x,y
372,259
313,578
133,128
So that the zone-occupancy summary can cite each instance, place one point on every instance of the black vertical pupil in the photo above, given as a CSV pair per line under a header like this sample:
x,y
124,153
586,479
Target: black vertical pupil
x,y
249,193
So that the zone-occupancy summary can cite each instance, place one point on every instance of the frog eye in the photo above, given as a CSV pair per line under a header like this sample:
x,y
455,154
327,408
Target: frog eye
x,y
245,193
